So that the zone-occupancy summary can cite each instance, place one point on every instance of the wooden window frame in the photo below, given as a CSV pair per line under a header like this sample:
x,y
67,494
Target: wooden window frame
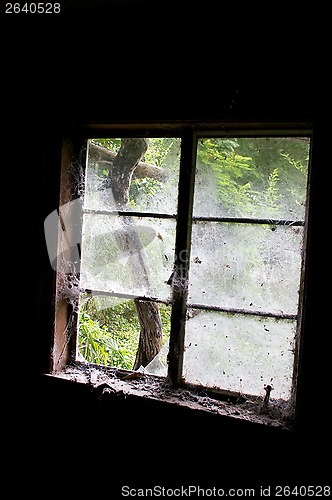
x,y
74,156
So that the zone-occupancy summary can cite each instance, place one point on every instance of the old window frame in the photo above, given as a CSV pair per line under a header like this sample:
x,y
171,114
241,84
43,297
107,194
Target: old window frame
x,y
74,155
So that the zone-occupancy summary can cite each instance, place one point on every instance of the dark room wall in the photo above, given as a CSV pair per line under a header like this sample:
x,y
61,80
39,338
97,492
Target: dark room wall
x,y
150,61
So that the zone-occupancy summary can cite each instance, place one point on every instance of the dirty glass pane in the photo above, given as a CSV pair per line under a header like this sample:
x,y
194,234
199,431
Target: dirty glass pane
x,y
129,255
149,186
239,353
262,177
246,266
109,330
125,256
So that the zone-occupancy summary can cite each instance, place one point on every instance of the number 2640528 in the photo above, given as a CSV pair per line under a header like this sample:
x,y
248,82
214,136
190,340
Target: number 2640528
x,y
33,8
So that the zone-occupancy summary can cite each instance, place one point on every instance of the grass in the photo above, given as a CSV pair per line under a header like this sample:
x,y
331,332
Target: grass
x,y
109,336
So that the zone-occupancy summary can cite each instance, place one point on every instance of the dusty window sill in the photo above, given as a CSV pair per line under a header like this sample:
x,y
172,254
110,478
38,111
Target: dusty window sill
x,y
110,383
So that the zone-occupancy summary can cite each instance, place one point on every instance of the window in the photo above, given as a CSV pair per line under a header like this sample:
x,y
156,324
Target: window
x,y
181,254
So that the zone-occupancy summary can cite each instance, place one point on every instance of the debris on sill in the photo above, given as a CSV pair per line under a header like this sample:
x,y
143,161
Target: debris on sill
x,y
116,382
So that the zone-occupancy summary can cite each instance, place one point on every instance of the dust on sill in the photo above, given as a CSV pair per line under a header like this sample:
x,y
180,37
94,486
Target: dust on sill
x,y
121,383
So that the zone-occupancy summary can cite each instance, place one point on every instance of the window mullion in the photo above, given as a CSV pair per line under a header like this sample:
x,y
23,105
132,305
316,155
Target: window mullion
x,y
182,256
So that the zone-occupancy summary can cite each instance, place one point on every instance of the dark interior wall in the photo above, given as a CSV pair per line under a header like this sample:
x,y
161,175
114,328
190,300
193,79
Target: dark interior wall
x,y
151,61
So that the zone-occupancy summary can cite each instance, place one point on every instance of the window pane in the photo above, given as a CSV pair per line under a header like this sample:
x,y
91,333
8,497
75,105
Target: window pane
x,y
149,186
252,177
239,353
109,330
127,255
246,266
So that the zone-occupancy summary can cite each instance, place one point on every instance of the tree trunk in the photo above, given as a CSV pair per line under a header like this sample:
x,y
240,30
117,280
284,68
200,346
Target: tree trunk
x,y
148,314
124,164
150,332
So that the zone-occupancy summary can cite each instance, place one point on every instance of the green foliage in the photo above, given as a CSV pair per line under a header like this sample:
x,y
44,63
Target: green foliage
x,y
272,190
255,176
97,346
109,335
233,172
111,144
298,164
146,188
159,149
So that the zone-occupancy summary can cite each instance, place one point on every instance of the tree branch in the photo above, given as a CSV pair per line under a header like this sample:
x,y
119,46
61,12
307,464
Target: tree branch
x,y
105,157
